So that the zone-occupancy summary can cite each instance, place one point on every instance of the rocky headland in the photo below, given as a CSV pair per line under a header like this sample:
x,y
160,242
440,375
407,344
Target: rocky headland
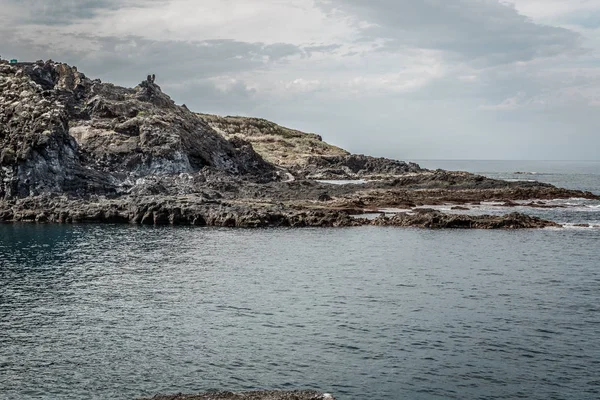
x,y
74,149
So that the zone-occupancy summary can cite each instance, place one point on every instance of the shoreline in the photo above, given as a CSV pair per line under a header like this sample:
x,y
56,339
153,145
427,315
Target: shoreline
x,y
187,212
224,201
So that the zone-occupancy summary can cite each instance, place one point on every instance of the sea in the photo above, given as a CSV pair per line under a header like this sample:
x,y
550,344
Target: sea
x,y
122,312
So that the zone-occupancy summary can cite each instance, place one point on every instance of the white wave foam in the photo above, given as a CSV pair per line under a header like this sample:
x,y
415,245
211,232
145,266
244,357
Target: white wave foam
x,y
584,226
393,210
343,182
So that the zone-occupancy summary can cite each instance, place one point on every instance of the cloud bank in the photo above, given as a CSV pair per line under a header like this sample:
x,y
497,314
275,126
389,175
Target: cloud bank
x,y
503,79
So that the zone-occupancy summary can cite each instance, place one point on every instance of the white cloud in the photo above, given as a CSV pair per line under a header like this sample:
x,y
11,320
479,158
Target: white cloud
x,y
302,85
511,103
265,21
482,31
549,10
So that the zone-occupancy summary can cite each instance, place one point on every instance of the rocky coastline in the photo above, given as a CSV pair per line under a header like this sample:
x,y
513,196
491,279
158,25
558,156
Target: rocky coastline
x,y
77,150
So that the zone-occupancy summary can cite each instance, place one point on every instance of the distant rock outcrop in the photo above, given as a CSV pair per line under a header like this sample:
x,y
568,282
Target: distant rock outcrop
x,y
354,166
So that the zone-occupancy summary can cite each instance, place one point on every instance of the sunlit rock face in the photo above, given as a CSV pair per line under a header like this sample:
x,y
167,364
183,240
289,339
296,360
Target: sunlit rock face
x,y
61,132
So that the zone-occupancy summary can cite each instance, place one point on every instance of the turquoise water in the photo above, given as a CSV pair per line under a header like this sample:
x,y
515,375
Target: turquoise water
x,y
118,312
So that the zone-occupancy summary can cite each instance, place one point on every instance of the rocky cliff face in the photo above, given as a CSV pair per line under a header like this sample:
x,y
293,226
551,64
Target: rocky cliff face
x,y
61,132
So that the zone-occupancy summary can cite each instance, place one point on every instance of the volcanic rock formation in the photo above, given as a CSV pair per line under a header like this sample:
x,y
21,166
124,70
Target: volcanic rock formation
x,y
74,149
61,132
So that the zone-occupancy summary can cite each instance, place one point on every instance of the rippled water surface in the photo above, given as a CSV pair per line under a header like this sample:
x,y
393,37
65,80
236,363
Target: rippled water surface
x,y
118,312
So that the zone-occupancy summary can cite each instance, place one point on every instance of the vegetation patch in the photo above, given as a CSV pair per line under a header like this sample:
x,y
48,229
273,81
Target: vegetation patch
x,y
277,144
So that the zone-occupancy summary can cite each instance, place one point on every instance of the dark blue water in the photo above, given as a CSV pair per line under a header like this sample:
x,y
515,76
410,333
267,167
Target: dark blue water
x,y
118,312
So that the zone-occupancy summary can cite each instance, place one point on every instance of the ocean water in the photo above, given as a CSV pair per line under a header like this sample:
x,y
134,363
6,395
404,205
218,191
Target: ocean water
x,y
579,175
119,312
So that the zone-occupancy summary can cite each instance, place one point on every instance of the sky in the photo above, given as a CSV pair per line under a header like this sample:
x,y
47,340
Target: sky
x,y
407,79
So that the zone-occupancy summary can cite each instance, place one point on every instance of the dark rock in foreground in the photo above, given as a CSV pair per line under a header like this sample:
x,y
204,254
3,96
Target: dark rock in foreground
x,y
198,211
262,395
432,219
169,210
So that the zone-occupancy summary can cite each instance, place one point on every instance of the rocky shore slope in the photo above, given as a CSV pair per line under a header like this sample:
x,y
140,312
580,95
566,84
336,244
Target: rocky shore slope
x,y
73,149
277,144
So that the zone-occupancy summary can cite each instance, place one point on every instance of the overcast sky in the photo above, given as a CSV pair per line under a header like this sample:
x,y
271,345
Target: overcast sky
x,y
409,79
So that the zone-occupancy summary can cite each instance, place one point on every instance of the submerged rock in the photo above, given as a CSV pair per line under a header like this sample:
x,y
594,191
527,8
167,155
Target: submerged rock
x,y
432,219
460,208
259,395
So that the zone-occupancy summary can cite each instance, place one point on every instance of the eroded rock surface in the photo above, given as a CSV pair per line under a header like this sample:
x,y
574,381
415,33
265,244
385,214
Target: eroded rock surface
x,y
195,210
198,210
432,219
354,166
